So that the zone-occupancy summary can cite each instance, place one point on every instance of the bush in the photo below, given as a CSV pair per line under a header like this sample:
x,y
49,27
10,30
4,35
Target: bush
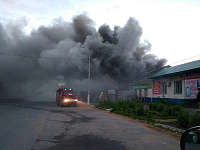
x,y
163,101
105,104
191,103
177,108
164,112
183,118
121,112
140,109
170,111
129,110
195,119
153,106
156,110
160,107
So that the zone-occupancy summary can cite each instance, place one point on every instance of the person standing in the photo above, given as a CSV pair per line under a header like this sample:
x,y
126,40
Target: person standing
x,y
198,97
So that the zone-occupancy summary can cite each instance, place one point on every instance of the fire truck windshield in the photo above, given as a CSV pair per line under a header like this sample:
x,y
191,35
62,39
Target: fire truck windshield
x,y
68,92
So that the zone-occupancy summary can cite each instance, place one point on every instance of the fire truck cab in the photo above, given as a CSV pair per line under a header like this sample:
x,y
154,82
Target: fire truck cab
x,y
65,96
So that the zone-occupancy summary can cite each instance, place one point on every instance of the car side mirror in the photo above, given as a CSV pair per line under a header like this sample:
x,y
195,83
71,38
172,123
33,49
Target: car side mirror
x,y
190,139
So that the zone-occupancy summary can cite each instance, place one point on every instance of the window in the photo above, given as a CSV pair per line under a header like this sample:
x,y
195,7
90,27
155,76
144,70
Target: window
x,y
163,88
68,92
177,87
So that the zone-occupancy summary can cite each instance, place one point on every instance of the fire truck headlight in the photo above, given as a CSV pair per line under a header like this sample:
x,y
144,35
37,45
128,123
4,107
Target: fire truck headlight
x,y
65,100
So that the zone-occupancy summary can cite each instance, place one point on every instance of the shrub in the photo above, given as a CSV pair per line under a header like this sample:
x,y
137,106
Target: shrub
x,y
177,108
149,114
153,106
105,104
195,119
132,105
160,107
163,101
164,112
129,110
191,103
183,118
170,111
121,112
140,109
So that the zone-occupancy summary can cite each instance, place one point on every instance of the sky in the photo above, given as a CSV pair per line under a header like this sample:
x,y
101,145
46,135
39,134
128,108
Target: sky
x,y
44,43
171,26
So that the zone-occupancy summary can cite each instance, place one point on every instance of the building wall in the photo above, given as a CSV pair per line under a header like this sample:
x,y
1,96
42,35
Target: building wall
x,y
149,95
190,82
171,95
125,95
112,98
170,90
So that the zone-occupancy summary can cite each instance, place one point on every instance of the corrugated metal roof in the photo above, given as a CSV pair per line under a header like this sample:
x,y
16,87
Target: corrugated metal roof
x,y
195,65
145,78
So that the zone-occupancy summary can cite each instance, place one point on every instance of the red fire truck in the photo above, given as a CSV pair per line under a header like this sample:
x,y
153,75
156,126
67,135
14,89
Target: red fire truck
x,y
65,96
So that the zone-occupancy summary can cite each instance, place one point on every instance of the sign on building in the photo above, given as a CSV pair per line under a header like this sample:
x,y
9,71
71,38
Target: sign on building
x,y
192,83
141,86
156,87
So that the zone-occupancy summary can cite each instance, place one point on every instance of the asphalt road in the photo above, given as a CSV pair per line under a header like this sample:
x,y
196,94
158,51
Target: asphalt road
x,y
36,125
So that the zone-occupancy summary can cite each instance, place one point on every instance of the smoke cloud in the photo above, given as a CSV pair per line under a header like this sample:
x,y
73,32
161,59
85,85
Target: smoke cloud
x,y
34,64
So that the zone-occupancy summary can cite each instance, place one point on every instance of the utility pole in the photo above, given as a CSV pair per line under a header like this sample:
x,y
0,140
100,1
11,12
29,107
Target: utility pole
x,y
89,59
88,98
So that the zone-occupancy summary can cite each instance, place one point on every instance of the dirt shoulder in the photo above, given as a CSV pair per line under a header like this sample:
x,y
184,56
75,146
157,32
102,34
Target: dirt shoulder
x,y
176,135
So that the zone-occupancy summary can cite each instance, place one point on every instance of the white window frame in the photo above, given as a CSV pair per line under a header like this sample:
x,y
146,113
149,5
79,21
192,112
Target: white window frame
x,y
163,89
178,87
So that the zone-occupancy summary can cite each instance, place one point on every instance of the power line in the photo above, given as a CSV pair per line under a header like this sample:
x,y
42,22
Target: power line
x,y
160,68
35,57
185,59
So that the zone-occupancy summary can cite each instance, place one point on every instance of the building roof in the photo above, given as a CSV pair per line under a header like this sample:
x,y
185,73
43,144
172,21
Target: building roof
x,y
183,68
145,78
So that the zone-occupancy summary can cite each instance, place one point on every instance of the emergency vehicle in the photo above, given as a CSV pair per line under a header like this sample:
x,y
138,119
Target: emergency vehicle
x,y
65,96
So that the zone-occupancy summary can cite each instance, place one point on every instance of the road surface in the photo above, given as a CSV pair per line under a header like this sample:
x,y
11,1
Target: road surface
x,y
36,125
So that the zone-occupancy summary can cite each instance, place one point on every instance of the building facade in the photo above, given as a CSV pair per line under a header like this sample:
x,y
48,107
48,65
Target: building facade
x,y
174,84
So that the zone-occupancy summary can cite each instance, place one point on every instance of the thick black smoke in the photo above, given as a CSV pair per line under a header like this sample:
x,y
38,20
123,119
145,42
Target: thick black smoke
x,y
36,63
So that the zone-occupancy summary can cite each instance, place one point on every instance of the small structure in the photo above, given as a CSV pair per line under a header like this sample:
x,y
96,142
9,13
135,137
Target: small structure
x,y
112,96
103,96
108,95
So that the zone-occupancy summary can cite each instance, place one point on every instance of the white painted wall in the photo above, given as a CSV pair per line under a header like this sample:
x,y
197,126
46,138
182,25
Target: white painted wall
x,y
170,90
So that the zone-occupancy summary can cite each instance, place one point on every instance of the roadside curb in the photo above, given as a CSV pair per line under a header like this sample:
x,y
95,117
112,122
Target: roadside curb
x,y
169,127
